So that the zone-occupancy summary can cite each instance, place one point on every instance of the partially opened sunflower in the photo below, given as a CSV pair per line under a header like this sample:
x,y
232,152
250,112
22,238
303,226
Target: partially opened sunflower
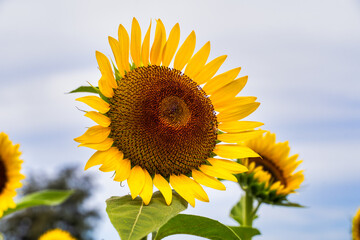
x,y
356,226
10,176
159,116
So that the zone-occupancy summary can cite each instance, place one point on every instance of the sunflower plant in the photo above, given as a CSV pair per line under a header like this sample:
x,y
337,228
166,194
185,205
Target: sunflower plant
x,y
165,119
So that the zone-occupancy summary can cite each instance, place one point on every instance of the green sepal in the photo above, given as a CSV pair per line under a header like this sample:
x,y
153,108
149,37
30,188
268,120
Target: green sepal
x,y
203,227
134,220
86,89
41,198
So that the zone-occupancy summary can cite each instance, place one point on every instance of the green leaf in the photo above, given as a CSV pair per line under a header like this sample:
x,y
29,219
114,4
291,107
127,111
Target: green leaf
x,y
88,89
288,204
45,197
134,220
198,226
245,232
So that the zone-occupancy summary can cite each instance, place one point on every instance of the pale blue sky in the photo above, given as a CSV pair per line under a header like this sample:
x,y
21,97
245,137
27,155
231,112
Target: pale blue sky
x,y
302,58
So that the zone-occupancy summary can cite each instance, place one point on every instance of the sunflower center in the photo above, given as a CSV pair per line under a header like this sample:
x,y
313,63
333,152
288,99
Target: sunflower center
x,y
162,121
3,177
270,167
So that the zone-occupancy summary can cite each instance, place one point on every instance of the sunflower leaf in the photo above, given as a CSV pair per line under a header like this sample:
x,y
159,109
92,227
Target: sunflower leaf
x,y
87,89
245,232
41,198
288,204
133,220
202,227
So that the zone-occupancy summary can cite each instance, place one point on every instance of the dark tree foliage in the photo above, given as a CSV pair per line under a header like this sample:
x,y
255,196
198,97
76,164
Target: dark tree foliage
x,y
71,216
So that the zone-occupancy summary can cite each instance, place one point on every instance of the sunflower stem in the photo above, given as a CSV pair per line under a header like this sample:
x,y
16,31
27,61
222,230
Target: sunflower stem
x,y
248,209
153,235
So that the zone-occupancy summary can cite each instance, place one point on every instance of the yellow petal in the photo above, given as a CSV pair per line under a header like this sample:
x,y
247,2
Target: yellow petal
x,y
147,191
217,172
124,47
112,163
238,113
159,41
105,68
234,151
115,47
98,157
229,165
95,102
123,172
207,180
99,118
105,88
164,187
135,46
171,45
103,146
145,50
233,103
185,52
182,189
238,126
221,80
198,61
95,134
229,91
239,137
136,181
209,70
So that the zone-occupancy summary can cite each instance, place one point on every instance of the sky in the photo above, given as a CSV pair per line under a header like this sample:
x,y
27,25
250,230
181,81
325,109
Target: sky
x,y
302,59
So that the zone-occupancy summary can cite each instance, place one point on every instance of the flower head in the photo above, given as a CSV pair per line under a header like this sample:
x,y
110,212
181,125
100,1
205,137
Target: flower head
x,y
56,234
356,226
159,124
10,176
271,176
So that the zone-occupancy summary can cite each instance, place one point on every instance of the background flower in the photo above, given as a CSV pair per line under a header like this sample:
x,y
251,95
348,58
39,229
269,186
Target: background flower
x,y
302,61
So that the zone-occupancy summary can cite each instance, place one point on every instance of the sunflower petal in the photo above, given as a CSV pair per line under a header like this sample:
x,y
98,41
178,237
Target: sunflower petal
x,y
98,157
237,114
232,151
221,80
99,118
164,187
112,163
229,91
239,137
105,68
136,181
124,47
95,134
182,189
198,61
229,165
105,87
135,47
217,172
207,180
209,70
185,52
145,49
234,103
95,102
159,41
171,45
123,172
147,191
115,47
238,126
103,146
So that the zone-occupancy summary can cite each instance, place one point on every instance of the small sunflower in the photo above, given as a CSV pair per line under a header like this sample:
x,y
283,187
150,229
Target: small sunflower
x,y
274,169
159,124
356,226
10,176
56,234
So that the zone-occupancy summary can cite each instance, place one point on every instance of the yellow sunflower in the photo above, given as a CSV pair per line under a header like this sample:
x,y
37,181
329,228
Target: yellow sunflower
x,y
274,168
356,226
159,124
56,234
10,176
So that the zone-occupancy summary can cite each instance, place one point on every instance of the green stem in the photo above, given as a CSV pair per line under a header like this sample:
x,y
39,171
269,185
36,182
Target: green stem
x,y
248,209
153,235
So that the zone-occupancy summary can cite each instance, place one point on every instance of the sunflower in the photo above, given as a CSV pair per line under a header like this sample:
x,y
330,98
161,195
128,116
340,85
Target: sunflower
x,y
56,234
161,125
356,226
10,175
274,169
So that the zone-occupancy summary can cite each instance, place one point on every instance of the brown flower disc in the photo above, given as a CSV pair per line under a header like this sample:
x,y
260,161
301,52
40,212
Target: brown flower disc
x,y
3,177
162,121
